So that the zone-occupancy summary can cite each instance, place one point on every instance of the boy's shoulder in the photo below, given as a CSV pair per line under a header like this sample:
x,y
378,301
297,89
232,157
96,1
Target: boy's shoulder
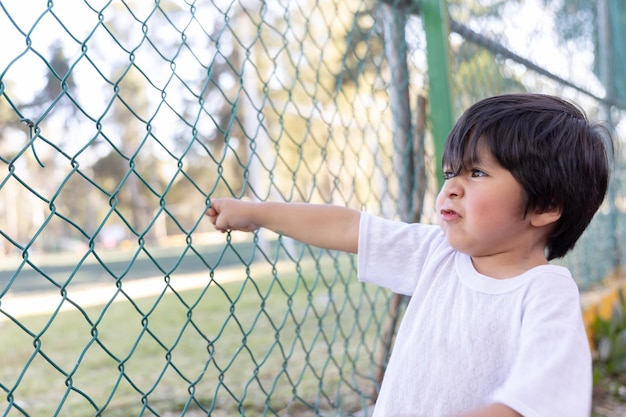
x,y
551,277
552,288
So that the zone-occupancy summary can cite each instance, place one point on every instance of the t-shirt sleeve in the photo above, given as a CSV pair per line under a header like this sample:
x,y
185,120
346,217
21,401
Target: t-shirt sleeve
x,y
392,254
552,372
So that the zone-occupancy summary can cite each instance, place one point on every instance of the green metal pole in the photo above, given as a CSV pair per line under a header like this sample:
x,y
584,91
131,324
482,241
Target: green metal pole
x,y
435,18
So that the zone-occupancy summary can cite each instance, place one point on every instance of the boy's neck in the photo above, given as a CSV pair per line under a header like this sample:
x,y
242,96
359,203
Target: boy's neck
x,y
503,267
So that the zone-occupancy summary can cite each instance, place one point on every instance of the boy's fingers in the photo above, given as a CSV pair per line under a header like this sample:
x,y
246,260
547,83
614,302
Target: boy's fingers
x,y
219,219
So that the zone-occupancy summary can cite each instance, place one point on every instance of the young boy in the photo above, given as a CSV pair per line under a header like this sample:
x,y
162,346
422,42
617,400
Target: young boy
x,y
492,329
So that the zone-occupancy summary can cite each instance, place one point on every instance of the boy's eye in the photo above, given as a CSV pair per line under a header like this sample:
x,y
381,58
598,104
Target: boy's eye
x,y
478,173
448,175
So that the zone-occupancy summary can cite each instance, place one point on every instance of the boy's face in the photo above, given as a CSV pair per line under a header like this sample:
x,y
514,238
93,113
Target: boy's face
x,y
481,211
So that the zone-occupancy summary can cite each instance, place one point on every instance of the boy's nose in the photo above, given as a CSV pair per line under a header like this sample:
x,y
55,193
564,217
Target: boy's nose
x,y
452,187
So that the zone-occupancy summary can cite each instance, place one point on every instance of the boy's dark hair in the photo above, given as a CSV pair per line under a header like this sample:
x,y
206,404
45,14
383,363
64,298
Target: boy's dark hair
x,y
550,148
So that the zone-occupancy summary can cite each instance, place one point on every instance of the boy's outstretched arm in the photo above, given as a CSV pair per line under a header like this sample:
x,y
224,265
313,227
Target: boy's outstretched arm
x,y
321,225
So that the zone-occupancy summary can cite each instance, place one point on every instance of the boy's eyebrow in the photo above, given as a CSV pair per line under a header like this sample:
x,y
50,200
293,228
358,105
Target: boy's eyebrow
x,y
465,163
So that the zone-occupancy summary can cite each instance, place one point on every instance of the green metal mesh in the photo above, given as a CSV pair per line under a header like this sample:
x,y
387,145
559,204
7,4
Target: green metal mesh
x,y
120,120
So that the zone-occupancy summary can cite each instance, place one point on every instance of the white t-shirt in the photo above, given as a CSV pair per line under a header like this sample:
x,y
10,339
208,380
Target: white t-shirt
x,y
468,340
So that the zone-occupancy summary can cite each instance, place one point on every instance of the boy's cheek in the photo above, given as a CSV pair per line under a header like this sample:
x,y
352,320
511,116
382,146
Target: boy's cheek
x,y
439,202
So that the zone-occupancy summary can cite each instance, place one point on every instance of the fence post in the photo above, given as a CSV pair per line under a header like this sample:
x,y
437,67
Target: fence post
x,y
605,43
435,18
408,151
395,51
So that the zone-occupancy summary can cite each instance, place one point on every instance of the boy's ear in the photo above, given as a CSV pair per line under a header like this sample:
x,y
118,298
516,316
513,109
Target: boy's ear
x,y
546,217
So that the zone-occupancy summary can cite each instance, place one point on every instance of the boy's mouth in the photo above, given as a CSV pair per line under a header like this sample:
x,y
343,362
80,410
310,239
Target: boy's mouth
x,y
449,215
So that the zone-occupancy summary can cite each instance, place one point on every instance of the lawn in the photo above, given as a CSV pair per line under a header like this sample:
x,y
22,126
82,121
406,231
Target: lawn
x,y
283,338
291,338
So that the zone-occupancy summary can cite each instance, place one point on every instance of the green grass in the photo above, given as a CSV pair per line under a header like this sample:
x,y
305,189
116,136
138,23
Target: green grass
x,y
286,339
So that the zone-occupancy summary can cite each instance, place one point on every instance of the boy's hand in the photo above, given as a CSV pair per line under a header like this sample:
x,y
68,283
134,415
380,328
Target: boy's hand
x,y
229,214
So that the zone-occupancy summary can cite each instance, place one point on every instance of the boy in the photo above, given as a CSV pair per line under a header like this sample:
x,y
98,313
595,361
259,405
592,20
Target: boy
x,y
492,329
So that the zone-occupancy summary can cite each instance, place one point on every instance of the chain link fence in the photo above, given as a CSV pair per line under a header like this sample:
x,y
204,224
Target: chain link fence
x,y
120,120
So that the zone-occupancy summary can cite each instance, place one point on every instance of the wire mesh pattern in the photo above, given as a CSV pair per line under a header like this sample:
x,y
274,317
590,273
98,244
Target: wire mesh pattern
x,y
120,120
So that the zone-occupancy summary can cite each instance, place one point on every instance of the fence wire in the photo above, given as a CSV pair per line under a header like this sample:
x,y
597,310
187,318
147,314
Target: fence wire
x,y
120,120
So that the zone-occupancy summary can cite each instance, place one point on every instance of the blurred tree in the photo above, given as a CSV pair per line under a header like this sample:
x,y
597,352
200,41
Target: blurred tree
x,y
466,10
365,45
327,91
59,92
582,20
478,73
48,116
212,143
